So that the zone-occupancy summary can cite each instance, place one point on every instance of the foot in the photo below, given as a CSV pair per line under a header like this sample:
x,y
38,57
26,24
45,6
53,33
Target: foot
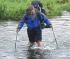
x,y
33,47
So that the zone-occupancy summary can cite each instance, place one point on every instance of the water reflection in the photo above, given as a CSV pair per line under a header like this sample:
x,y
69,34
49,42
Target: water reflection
x,y
36,54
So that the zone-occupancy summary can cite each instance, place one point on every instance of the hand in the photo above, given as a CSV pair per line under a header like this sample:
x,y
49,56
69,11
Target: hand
x,y
48,26
17,30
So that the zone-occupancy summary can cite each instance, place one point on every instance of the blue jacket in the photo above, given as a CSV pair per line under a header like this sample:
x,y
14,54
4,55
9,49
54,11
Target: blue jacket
x,y
32,21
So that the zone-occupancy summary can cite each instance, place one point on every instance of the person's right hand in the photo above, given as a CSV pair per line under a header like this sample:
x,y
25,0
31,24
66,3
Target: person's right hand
x,y
17,30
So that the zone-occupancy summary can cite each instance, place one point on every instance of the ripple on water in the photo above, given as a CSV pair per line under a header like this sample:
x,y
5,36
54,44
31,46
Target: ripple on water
x,y
7,41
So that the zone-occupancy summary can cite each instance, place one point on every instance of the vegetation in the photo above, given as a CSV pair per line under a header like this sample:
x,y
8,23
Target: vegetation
x,y
14,9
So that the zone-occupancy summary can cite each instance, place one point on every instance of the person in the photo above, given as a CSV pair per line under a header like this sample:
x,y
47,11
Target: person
x,y
32,21
38,4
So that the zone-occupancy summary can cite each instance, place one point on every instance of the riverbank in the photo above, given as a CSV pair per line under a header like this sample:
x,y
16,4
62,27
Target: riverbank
x,y
14,9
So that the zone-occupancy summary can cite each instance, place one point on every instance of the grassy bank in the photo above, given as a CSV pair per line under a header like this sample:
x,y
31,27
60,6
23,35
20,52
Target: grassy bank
x,y
14,9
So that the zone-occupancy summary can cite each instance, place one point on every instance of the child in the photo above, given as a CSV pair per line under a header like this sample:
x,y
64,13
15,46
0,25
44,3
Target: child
x,y
34,25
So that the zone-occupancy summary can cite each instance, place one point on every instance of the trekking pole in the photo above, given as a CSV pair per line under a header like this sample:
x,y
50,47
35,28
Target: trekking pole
x,y
15,43
54,37
16,40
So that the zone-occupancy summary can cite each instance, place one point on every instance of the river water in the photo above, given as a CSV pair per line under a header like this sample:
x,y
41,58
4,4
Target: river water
x,y
8,39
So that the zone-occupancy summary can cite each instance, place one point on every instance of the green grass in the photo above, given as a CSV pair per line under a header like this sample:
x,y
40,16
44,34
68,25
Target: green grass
x,y
14,9
54,7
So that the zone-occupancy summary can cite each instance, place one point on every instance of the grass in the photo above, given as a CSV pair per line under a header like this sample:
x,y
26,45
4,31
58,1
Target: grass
x,y
14,9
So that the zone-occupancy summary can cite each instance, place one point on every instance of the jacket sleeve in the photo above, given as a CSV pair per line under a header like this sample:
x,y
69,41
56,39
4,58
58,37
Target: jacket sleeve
x,y
45,19
21,23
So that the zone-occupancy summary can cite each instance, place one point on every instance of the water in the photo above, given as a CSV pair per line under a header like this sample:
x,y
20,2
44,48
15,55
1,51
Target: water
x,y
8,38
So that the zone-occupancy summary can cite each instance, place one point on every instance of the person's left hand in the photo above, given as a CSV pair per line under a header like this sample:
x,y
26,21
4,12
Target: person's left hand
x,y
48,26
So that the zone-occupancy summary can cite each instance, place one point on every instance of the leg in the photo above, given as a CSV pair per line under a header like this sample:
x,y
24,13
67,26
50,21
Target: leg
x,y
39,43
31,37
38,37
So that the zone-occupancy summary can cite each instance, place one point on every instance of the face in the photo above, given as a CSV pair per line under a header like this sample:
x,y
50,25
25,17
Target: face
x,y
33,11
